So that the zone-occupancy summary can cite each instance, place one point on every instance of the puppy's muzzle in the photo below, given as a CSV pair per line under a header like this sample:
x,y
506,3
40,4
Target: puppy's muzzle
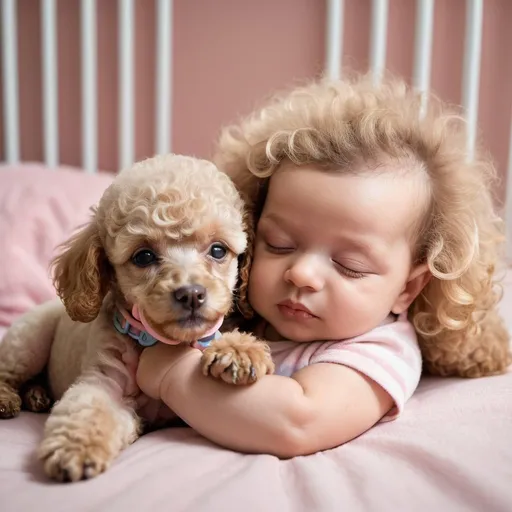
x,y
190,298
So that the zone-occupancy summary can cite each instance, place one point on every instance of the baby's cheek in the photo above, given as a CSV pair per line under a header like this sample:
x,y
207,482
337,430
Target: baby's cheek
x,y
261,270
255,288
357,313
345,306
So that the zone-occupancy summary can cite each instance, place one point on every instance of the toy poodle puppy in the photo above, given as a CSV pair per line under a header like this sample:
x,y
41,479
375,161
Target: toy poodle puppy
x,y
156,263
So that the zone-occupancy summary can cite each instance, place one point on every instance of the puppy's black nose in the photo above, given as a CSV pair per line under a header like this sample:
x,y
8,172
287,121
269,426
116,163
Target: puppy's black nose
x,y
190,297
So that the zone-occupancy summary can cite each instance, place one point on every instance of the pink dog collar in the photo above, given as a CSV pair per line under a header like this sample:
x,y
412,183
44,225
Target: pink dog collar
x,y
136,326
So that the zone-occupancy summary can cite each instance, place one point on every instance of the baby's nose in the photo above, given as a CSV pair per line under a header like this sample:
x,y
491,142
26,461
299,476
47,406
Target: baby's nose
x,y
305,272
190,297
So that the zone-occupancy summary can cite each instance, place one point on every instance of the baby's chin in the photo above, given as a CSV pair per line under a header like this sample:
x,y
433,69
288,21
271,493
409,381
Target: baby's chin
x,y
287,334
298,334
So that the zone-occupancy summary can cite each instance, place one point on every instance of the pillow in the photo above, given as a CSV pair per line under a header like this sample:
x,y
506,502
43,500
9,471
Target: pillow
x,y
39,208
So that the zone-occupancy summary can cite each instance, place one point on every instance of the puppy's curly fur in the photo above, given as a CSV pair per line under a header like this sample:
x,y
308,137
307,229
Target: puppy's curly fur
x,y
337,123
177,208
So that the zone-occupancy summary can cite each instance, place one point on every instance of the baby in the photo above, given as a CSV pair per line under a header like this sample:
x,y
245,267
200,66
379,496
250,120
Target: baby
x,y
374,250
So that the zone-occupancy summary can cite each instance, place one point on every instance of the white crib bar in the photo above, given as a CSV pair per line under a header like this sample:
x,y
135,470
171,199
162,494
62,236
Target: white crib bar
x,y
50,83
423,47
164,15
89,85
471,72
126,96
334,38
10,79
378,38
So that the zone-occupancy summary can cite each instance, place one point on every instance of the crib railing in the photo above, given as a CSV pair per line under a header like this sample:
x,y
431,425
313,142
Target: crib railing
x,y
88,76
163,78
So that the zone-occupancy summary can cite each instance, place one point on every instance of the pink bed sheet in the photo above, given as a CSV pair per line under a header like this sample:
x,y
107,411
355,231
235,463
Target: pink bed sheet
x,y
450,451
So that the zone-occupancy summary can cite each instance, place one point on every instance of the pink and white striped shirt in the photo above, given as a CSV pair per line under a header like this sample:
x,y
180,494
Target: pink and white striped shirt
x,y
389,355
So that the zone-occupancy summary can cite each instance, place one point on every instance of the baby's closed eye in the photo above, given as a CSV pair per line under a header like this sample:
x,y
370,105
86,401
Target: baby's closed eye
x,y
349,272
279,247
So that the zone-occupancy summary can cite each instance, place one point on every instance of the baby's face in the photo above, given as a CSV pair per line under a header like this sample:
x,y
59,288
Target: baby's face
x,y
333,251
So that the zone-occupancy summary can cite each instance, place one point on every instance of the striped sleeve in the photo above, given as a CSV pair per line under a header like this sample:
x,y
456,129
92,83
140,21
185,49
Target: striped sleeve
x,y
389,355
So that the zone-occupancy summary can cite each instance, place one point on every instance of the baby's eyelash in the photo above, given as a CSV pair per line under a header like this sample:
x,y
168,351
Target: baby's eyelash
x,y
353,274
277,250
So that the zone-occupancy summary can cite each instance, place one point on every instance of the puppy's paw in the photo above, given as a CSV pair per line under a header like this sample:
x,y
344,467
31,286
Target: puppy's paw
x,y
70,459
10,401
237,358
36,398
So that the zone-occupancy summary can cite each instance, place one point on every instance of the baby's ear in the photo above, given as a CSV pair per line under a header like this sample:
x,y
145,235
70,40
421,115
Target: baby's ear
x,y
82,274
417,280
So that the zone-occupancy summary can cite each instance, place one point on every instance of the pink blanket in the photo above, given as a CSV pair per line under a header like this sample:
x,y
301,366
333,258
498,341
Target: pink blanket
x,y
450,451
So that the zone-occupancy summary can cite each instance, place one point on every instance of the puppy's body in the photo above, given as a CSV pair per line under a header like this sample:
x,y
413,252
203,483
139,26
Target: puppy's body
x,y
164,242
80,348
69,350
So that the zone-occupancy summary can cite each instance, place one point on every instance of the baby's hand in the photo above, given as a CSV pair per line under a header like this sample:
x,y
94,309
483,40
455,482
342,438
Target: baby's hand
x,y
155,363
237,358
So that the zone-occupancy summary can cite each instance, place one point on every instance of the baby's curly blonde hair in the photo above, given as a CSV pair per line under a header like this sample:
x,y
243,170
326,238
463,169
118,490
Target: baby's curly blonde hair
x,y
334,124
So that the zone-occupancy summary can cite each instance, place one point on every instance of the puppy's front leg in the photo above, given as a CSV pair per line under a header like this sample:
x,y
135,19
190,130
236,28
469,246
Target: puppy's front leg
x,y
86,430
237,358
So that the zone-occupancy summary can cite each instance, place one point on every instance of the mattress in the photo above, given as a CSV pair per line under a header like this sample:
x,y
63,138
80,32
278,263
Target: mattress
x,y
451,450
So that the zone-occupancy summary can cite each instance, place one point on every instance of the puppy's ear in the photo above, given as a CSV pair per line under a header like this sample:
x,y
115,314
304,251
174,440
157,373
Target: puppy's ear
x,y
82,274
244,265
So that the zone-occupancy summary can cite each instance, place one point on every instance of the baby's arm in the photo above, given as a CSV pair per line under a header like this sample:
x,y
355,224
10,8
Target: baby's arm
x,y
320,407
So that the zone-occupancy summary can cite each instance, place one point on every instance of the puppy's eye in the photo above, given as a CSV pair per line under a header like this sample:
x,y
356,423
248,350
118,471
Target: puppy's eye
x,y
144,258
217,251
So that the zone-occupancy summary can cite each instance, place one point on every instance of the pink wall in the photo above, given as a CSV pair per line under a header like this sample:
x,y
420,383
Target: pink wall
x,y
229,54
